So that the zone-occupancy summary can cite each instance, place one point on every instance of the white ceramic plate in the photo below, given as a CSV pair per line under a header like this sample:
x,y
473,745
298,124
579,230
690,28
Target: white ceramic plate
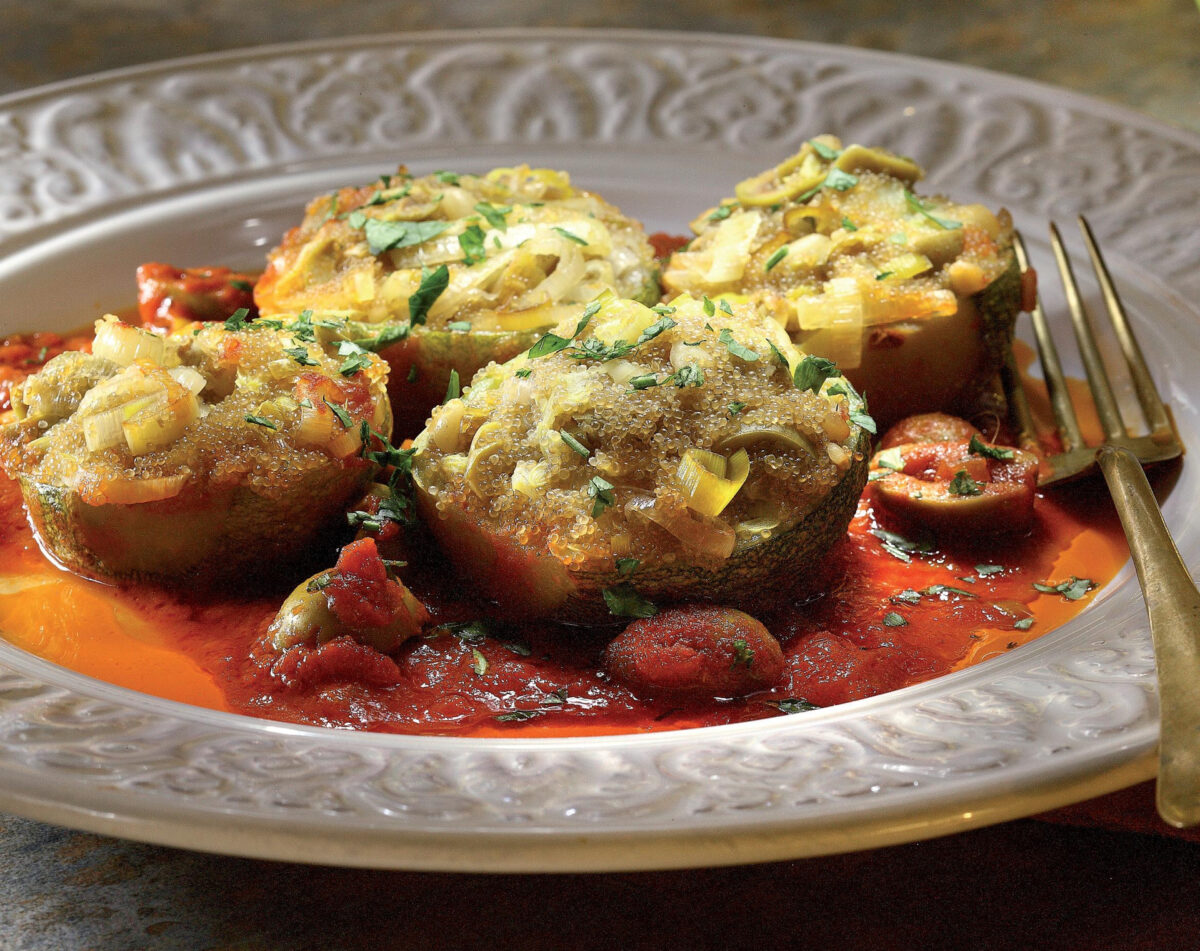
x,y
208,160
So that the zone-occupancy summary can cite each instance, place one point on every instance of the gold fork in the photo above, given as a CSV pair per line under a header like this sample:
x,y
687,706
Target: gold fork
x,y
1172,599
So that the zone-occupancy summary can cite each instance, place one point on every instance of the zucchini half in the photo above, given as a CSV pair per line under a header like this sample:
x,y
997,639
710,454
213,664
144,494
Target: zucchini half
x,y
473,267
196,459
528,581
567,485
222,537
914,297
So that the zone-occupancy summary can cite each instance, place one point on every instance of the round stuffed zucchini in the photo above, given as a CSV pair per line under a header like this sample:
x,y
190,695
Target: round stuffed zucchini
x,y
195,459
465,269
639,456
913,297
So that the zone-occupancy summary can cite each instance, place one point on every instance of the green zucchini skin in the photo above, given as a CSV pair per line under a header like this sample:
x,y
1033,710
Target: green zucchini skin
x,y
419,367
941,364
528,582
216,538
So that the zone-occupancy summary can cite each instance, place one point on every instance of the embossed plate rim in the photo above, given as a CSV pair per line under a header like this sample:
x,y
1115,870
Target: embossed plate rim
x,y
518,824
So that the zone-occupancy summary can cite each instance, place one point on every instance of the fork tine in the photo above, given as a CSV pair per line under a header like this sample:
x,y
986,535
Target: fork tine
x,y
1152,404
1056,382
1102,394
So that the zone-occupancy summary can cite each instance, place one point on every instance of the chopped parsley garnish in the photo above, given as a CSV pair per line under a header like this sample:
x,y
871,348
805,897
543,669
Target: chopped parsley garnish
x,y
494,214
241,285
357,360
569,236
720,213
778,355
1072,589
459,326
724,307
453,388
893,619
687,375
900,547
884,275
776,257
237,320
388,335
644,381
985,570
812,372
446,178
922,208
1024,624
332,209
864,419
791,705
824,150
737,349
574,443
907,596
515,647
835,179
848,224
980,448
261,421
479,663
388,235
735,407
601,492
518,715
593,348
963,484
627,566
941,590
552,342
743,653
433,283
709,307
413,374
471,633
342,416
471,242
300,355
623,601
524,373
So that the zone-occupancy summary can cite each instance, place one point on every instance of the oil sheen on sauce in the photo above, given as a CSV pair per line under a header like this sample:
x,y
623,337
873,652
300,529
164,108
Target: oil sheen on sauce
x,y
883,623
888,618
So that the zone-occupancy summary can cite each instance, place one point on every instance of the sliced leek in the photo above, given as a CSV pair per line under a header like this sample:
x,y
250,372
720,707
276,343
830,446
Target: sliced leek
x,y
710,481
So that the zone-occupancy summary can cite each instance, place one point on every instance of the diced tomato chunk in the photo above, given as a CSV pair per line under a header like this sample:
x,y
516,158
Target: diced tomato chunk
x,y
342,659
360,593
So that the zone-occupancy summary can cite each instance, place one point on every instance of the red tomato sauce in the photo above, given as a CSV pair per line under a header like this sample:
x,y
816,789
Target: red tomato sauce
x,y
888,618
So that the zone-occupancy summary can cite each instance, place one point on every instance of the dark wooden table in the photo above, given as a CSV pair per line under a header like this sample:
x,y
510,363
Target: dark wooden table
x,y
1026,884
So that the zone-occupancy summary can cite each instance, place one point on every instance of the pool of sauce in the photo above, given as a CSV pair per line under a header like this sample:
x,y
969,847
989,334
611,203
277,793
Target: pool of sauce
x,y
886,619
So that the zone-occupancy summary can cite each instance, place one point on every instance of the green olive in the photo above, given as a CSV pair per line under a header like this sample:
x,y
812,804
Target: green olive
x,y
783,436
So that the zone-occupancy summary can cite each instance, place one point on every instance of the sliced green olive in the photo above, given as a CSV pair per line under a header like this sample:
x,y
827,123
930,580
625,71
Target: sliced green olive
x,y
941,247
783,436
860,158
799,222
305,618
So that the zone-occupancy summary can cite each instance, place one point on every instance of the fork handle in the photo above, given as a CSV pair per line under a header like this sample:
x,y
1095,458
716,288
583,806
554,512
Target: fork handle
x,y
1173,604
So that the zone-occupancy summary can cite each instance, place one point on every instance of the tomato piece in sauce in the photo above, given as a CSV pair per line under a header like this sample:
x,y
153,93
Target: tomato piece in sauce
x,y
171,297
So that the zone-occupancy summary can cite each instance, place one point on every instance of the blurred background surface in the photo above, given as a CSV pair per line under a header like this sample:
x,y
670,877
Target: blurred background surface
x,y
1142,53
